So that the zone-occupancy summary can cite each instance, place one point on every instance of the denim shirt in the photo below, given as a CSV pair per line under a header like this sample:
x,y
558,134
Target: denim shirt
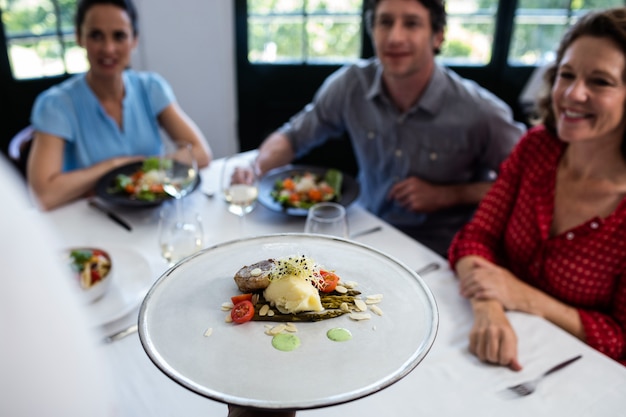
x,y
458,133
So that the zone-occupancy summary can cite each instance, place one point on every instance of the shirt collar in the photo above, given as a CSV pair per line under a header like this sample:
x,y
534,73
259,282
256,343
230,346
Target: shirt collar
x,y
431,101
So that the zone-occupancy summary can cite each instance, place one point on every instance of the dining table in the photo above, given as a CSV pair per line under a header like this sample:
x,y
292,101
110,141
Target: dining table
x,y
449,381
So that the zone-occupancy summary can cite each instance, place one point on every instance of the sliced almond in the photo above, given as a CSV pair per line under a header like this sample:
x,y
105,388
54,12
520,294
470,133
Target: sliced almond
x,y
348,284
374,298
264,310
376,310
291,328
344,307
360,316
360,305
227,306
277,329
270,313
208,332
228,318
341,289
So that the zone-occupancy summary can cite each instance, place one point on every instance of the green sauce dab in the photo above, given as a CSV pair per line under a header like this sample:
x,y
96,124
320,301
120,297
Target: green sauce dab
x,y
339,334
286,342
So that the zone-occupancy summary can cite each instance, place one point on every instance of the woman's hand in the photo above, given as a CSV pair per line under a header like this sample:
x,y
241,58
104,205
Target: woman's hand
x,y
492,338
487,281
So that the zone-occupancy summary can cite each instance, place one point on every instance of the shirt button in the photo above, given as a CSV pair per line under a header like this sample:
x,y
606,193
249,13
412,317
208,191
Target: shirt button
x,y
398,153
594,225
371,135
433,156
569,236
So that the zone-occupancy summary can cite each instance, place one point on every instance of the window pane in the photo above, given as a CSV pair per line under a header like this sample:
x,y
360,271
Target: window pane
x,y
334,6
469,32
275,6
540,24
35,46
311,31
275,40
334,39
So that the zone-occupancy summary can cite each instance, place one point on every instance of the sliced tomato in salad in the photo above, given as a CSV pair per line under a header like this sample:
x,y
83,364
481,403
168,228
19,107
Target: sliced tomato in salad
x,y
329,281
236,299
242,312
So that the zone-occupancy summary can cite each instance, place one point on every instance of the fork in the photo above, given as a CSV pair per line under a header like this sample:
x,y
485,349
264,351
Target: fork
x,y
528,387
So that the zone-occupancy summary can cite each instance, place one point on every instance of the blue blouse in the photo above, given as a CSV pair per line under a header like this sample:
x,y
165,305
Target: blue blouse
x,y
72,111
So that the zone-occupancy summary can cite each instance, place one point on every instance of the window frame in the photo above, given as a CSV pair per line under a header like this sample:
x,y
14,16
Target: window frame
x,y
58,35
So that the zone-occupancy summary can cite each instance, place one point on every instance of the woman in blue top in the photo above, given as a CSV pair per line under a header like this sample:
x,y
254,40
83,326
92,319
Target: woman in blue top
x,y
107,117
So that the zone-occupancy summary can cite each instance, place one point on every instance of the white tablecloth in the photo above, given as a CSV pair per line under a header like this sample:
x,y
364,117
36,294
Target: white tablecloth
x,y
449,382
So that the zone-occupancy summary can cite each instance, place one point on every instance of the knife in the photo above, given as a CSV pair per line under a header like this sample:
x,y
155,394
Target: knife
x,y
121,334
117,219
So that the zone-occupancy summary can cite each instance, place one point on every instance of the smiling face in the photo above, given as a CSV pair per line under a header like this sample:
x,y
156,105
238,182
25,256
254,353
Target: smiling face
x,y
589,93
403,37
107,36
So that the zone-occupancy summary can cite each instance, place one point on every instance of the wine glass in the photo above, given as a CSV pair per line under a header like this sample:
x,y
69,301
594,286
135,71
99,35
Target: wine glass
x,y
180,172
180,234
327,219
240,185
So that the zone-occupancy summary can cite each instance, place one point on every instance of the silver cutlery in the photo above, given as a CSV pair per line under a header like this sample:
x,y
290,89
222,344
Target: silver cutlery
x,y
117,219
121,334
528,387
433,266
366,232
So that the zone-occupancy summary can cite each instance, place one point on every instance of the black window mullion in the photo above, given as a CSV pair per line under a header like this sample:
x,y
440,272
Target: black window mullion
x,y
505,22
59,32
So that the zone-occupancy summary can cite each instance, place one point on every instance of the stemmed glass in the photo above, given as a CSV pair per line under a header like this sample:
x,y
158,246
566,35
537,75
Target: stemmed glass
x,y
180,234
179,176
240,185
180,231
327,219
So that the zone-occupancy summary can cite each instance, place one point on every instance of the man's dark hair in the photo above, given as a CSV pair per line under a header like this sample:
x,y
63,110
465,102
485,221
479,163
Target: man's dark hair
x,y
437,9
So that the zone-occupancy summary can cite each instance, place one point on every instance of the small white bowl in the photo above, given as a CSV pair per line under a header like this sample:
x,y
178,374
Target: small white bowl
x,y
97,290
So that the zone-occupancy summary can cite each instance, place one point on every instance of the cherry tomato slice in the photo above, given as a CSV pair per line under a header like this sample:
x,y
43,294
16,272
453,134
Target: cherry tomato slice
x,y
330,281
242,312
236,299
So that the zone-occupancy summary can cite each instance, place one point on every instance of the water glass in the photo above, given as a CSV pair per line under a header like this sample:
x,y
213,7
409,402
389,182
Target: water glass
x,y
327,219
180,234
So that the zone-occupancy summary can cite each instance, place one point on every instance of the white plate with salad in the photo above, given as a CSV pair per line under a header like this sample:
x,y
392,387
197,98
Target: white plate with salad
x,y
293,189
137,184
184,329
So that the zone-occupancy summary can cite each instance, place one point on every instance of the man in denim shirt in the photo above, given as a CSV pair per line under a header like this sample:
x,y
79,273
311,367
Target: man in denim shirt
x,y
428,142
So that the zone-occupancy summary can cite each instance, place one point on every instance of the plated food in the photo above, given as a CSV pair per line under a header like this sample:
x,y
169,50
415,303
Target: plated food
x,y
295,289
303,190
183,330
293,189
91,268
137,184
146,183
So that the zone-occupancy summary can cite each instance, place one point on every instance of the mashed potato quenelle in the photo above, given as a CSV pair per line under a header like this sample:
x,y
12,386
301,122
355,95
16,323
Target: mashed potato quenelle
x,y
292,287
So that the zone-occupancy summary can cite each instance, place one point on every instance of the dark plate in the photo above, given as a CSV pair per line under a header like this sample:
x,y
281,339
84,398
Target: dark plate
x,y
106,184
349,187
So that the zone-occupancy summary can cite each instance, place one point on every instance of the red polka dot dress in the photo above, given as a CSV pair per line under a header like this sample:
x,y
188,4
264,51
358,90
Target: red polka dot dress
x,y
584,267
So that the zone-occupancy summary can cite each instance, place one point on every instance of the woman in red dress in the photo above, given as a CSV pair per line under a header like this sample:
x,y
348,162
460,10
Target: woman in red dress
x,y
549,238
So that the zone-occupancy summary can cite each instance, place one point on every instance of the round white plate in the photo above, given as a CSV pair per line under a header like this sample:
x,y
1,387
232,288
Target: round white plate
x,y
131,278
237,364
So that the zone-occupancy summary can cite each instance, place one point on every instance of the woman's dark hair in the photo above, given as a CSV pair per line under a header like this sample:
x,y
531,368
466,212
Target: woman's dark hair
x,y
609,24
436,8
127,5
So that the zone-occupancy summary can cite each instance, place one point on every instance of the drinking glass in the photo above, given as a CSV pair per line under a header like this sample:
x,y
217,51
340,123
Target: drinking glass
x,y
327,219
240,185
180,174
180,234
